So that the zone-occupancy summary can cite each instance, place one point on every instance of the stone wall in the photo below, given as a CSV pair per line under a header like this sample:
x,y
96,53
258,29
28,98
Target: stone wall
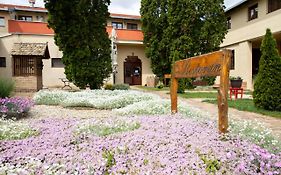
x,y
25,83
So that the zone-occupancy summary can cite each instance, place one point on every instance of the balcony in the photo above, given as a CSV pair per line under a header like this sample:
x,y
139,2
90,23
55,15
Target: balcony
x,y
127,35
25,27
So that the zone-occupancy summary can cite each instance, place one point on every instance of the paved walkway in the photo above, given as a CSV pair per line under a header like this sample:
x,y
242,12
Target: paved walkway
x,y
270,122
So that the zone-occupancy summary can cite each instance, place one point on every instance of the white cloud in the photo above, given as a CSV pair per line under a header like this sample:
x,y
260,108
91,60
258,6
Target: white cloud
x,y
131,7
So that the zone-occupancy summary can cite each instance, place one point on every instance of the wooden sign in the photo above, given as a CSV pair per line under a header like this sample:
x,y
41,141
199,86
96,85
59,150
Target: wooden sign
x,y
212,64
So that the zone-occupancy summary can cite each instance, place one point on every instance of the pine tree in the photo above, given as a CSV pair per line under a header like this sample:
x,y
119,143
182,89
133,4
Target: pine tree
x,y
154,22
80,33
267,85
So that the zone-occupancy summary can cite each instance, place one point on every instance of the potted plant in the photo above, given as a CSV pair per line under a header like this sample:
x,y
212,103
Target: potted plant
x,y
236,82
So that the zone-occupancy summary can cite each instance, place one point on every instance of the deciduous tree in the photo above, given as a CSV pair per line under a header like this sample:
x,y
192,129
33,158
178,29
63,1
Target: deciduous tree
x,y
154,22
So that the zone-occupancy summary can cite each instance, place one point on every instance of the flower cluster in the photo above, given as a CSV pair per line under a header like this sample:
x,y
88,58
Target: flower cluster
x,y
161,145
99,99
15,107
12,130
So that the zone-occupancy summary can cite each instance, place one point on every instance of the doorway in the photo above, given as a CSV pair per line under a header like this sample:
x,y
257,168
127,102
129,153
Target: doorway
x,y
256,54
132,71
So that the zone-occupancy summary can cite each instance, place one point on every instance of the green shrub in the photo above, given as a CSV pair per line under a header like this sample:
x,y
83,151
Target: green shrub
x,y
6,87
108,87
181,86
121,87
267,84
209,80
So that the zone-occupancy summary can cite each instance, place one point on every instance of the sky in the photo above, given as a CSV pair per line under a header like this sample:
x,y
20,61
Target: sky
x,y
130,7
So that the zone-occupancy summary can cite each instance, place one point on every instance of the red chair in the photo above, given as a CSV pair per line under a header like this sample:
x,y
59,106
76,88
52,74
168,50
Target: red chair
x,y
235,92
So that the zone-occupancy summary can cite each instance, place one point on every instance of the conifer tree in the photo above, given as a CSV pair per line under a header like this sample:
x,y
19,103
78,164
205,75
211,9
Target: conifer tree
x,y
80,33
154,22
267,85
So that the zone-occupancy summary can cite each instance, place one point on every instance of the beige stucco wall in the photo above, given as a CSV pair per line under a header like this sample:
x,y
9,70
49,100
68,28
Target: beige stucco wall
x,y
243,33
129,50
50,75
4,29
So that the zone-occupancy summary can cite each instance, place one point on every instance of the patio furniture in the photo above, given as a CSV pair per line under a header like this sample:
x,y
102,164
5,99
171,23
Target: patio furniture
x,y
235,92
66,83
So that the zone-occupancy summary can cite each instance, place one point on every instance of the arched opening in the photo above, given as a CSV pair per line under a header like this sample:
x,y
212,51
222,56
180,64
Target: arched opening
x,y
132,70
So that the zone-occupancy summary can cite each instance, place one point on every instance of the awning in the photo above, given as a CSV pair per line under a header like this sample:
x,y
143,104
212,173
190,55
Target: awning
x,y
31,49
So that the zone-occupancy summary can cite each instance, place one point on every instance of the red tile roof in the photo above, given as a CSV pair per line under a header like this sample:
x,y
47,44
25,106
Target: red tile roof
x,y
25,27
21,6
115,15
29,27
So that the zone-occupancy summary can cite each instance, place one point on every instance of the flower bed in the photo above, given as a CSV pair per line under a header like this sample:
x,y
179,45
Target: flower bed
x,y
15,107
161,145
11,130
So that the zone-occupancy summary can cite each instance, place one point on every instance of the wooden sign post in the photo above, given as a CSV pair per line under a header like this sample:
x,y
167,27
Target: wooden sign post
x,y
212,64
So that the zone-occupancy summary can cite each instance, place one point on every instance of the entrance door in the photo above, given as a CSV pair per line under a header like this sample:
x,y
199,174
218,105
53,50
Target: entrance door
x,y
132,70
256,54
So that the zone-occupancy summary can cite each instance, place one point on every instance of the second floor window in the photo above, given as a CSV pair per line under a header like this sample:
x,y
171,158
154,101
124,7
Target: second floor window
x,y
273,5
25,18
253,12
117,25
2,22
132,26
40,18
228,23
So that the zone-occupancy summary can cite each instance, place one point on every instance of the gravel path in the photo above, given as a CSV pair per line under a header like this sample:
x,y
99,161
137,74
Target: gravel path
x,y
270,122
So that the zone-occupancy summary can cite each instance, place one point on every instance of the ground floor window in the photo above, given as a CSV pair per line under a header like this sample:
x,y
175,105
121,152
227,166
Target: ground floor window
x,y
2,62
24,66
57,63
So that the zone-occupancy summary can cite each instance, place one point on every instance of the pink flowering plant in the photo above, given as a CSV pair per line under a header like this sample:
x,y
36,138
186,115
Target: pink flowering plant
x,y
15,107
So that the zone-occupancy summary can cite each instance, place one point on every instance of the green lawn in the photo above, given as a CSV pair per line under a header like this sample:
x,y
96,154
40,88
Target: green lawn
x,y
199,95
153,88
248,105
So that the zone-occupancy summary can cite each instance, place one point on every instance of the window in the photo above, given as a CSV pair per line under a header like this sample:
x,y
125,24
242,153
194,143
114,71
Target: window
x,y
228,23
25,18
57,62
253,12
232,60
40,18
24,66
2,22
132,26
2,62
273,5
117,25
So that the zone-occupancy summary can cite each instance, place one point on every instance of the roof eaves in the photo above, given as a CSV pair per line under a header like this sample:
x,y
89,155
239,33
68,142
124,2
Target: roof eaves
x,y
30,10
235,5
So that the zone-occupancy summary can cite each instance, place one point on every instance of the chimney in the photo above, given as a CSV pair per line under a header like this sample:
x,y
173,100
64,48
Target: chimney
x,y
31,2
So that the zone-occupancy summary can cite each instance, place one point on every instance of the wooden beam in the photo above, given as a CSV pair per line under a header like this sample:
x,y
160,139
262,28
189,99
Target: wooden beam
x,y
223,92
174,95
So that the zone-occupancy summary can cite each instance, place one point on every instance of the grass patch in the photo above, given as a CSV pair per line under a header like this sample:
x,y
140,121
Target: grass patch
x,y
248,105
199,95
11,130
105,130
154,88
